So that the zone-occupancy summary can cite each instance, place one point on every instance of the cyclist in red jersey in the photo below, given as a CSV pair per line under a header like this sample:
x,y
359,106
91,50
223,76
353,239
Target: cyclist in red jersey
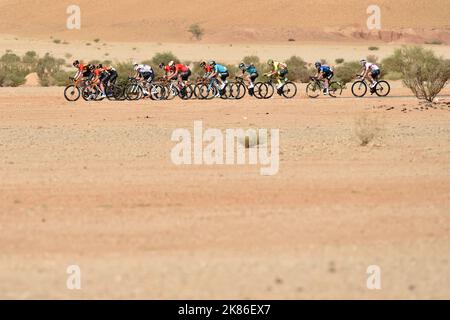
x,y
165,68
179,70
84,70
208,69
99,74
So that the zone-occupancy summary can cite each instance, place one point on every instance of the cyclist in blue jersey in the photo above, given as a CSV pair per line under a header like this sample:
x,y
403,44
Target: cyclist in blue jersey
x,y
252,74
219,72
326,73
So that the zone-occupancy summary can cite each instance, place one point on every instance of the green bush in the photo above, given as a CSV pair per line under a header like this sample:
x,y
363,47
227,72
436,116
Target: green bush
x,y
347,71
164,57
422,71
339,60
298,69
10,58
12,75
13,70
46,69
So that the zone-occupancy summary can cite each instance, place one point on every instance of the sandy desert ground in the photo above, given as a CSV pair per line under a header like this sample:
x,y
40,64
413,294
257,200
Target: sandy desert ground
x,y
92,184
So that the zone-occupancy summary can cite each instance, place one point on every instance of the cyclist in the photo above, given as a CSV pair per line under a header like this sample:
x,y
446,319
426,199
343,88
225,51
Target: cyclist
x,y
165,68
326,73
100,74
84,70
112,75
370,71
208,69
279,70
219,72
180,71
252,73
143,71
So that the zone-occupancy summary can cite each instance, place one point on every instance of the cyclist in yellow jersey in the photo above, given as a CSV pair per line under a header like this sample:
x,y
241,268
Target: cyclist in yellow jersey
x,y
279,71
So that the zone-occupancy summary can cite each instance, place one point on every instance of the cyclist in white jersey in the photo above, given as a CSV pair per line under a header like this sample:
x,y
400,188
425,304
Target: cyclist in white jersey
x,y
370,71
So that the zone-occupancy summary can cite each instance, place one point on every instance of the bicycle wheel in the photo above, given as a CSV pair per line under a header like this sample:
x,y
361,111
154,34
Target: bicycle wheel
x,y
313,89
89,94
359,89
260,90
289,90
72,93
118,93
171,92
241,91
186,92
335,89
133,92
197,90
382,88
157,92
270,90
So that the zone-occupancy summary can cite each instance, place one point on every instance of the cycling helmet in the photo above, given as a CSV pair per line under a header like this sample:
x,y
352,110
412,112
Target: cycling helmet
x,y
270,62
99,66
212,63
171,64
203,64
161,65
318,64
241,65
363,62
75,63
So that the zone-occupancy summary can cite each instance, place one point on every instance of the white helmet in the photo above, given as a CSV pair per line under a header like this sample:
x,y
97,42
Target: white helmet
x,y
363,62
171,64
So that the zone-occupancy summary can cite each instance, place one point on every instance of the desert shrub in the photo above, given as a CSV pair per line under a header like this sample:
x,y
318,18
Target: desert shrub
x,y
298,69
13,70
373,48
339,60
164,57
97,40
124,70
422,71
12,75
346,72
196,31
47,67
367,128
10,58
57,41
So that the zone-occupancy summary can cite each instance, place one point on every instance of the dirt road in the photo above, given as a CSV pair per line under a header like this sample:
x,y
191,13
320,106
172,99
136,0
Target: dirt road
x,y
93,185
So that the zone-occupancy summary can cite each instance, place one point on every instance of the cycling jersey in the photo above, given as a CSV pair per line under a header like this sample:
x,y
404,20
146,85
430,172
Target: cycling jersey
x,y
371,67
218,68
208,68
251,69
279,66
99,71
181,68
325,69
143,68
